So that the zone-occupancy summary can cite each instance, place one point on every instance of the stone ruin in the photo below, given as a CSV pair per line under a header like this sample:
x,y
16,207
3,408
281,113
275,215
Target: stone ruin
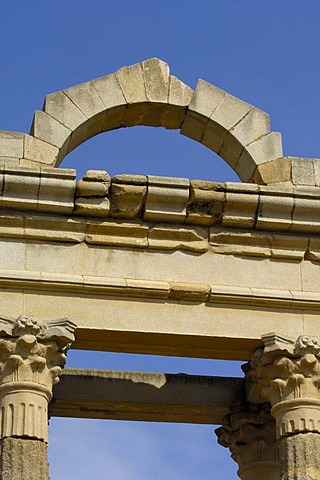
x,y
165,266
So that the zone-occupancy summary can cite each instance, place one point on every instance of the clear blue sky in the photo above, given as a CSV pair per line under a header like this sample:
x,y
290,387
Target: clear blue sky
x,y
264,52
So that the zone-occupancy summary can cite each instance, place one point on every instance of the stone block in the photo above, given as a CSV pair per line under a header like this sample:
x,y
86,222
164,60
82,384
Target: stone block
x,y
289,247
240,210
11,144
180,94
92,189
60,107
92,207
316,167
39,151
97,176
153,114
49,130
167,237
127,200
206,98
166,199
204,101
173,117
156,79
205,207
87,130
55,257
275,212
228,113
131,179
109,91
114,118
275,171
246,243
10,161
12,254
302,171
263,150
56,191
132,84
251,127
193,126
86,98
21,189
305,215
116,234
191,292
134,114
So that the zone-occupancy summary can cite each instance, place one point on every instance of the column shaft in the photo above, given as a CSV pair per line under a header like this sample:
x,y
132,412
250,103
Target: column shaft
x,y
23,459
300,457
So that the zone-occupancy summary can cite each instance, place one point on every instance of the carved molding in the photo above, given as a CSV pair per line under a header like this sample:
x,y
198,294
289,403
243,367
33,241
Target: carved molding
x,y
32,354
287,374
251,438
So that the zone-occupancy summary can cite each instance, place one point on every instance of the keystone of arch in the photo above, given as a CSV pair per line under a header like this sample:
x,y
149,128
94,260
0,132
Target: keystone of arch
x,y
147,94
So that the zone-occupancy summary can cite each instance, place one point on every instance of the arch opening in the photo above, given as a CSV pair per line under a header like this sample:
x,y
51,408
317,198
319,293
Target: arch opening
x,y
151,152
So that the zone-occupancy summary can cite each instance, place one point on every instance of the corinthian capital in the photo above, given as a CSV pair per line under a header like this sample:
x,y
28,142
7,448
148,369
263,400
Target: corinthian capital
x,y
32,354
287,374
251,439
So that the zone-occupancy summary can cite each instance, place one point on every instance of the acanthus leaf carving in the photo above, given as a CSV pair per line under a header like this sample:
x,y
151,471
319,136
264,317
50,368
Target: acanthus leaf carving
x,y
32,354
287,374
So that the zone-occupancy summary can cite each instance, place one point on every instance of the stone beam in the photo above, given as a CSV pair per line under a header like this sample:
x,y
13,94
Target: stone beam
x,y
154,397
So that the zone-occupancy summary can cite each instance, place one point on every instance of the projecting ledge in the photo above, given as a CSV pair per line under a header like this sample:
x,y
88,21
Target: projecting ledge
x,y
154,397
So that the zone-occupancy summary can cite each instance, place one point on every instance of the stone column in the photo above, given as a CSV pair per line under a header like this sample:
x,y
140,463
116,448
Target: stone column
x,y
32,354
251,439
287,374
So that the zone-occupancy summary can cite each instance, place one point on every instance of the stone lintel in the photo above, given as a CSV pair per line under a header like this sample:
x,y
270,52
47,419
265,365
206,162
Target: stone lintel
x,y
155,397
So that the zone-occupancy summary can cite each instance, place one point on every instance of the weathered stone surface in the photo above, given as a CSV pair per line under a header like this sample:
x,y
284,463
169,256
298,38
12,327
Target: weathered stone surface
x,y
167,199
179,93
250,437
49,129
132,84
39,151
86,98
275,171
23,459
127,200
240,210
92,189
130,179
229,112
63,109
144,396
156,76
286,373
275,213
109,91
265,149
96,176
204,101
205,207
92,207
302,171
299,456
11,144
251,127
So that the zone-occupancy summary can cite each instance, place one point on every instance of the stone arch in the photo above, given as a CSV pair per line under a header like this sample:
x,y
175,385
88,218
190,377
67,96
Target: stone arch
x,y
147,94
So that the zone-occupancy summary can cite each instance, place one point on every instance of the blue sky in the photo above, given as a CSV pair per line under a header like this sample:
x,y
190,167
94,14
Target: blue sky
x,y
264,52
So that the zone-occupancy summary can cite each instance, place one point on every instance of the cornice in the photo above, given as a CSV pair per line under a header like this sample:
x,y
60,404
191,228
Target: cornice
x,y
152,200
159,290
